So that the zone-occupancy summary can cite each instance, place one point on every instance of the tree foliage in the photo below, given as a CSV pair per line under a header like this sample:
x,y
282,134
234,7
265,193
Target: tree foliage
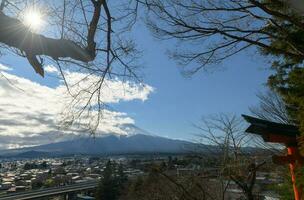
x,y
288,81
111,183
285,189
158,185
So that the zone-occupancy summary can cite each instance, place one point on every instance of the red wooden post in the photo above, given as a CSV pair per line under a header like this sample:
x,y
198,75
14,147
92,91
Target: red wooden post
x,y
283,134
292,167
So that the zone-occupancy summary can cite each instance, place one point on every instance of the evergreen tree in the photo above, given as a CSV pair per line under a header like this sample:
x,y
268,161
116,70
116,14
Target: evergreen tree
x,y
288,79
289,83
111,183
122,177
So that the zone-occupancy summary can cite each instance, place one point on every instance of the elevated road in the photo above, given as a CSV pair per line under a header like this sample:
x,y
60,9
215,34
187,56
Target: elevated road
x,y
40,193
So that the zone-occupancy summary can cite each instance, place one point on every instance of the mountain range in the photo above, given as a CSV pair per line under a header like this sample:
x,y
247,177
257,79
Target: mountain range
x,y
107,145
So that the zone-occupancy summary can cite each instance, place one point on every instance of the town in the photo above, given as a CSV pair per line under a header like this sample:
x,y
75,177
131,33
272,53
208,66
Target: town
x,y
21,175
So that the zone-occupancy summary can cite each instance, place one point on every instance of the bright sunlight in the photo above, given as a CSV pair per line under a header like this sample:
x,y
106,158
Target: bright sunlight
x,y
33,19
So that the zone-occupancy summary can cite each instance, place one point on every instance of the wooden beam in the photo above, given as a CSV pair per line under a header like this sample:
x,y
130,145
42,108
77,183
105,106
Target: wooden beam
x,y
283,139
292,167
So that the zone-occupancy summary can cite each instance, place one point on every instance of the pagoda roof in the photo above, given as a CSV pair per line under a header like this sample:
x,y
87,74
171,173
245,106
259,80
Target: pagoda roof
x,y
272,131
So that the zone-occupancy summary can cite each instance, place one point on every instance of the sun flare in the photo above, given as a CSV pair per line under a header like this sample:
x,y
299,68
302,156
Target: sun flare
x,y
33,19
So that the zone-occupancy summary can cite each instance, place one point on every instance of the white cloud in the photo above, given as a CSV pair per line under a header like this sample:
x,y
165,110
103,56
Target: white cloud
x,y
30,111
112,91
50,69
4,68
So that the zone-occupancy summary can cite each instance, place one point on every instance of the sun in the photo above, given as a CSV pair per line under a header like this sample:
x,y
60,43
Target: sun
x,y
33,19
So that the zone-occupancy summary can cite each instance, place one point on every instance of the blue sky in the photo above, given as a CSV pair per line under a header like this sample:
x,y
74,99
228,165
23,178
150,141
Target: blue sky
x,y
176,101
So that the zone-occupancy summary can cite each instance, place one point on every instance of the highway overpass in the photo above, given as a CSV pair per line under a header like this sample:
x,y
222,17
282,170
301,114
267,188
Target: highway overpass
x,y
53,191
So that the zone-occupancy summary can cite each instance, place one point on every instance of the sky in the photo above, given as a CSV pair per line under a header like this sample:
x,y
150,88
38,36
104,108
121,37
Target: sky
x,y
167,104
179,102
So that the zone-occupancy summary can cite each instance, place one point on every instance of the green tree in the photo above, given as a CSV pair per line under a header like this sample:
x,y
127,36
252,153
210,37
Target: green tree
x,y
43,165
288,79
285,189
37,184
289,82
111,183
28,166
122,177
49,183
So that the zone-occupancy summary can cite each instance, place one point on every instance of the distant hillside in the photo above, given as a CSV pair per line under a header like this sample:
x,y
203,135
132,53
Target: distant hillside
x,y
108,145
36,154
